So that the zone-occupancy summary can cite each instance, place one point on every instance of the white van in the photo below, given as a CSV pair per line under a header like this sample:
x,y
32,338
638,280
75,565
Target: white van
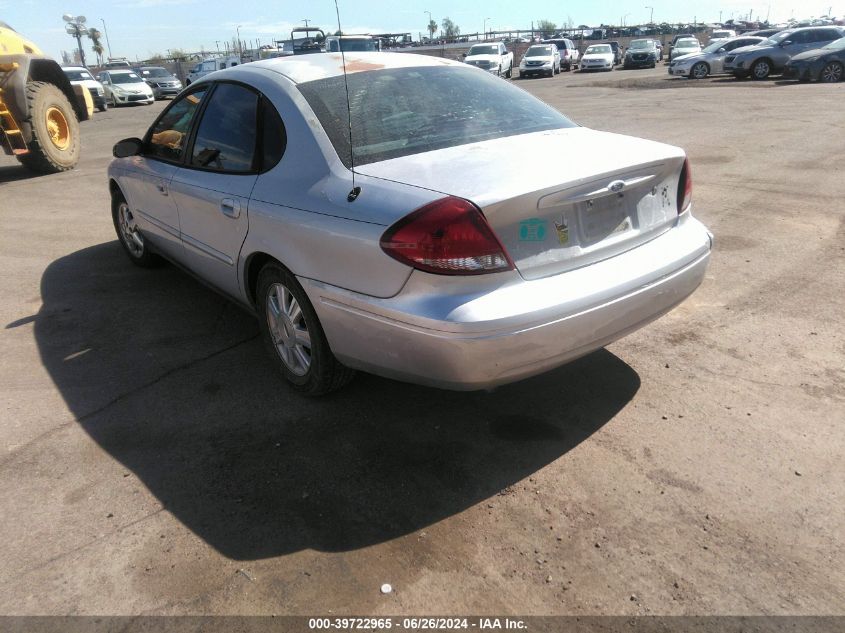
x,y
209,65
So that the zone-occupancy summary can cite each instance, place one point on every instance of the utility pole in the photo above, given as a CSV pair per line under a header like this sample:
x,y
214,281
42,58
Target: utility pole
x,y
106,31
306,20
217,44
651,19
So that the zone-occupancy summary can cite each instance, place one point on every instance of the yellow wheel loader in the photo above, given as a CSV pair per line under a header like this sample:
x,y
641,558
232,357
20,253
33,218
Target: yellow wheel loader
x,y
39,108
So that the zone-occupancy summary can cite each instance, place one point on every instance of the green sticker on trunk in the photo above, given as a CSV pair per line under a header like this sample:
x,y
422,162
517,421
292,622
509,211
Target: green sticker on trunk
x,y
532,230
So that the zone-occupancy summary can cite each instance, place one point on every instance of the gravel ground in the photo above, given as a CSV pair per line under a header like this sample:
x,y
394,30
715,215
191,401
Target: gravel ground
x,y
151,463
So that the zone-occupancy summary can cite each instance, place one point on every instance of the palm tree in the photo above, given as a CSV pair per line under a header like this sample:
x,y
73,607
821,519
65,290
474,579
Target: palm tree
x,y
96,46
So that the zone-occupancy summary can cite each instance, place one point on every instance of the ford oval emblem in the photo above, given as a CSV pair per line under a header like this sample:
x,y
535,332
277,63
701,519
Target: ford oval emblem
x,y
616,186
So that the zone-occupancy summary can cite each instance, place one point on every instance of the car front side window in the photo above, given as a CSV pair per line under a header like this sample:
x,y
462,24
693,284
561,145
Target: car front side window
x,y
167,138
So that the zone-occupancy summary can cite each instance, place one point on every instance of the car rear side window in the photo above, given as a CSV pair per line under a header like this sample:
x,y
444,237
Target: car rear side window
x,y
403,111
227,132
167,138
273,136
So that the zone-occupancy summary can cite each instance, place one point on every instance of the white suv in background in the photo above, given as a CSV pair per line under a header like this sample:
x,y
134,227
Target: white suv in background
x,y
81,76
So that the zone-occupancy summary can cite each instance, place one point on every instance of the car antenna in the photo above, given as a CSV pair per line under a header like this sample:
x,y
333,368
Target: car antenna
x,y
355,190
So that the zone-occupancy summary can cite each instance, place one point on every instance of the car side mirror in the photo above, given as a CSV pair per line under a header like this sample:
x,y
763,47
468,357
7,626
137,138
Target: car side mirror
x,y
128,147
721,50
786,43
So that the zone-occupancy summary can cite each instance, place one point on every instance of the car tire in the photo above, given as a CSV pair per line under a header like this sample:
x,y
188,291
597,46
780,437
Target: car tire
x,y
761,69
130,238
831,73
113,101
510,72
103,106
699,70
293,335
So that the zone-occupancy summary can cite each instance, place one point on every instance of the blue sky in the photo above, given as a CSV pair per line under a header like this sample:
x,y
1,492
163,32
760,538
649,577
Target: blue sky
x,y
143,27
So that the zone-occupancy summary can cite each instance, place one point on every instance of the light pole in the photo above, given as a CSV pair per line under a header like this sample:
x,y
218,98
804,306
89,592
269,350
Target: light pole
x,y
625,17
75,27
485,27
106,31
240,47
428,26
651,19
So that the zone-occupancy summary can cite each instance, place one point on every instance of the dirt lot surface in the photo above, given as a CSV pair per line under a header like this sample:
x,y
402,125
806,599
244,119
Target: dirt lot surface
x,y
151,462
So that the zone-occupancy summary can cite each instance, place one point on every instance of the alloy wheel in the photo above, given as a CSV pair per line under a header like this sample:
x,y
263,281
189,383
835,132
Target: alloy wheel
x,y
699,71
831,73
761,69
288,329
129,231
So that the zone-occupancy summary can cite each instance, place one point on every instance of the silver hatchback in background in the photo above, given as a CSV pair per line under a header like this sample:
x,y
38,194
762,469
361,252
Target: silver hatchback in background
x,y
436,241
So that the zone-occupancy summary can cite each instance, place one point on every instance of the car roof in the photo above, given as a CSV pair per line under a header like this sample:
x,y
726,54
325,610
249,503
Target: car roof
x,y
74,68
302,68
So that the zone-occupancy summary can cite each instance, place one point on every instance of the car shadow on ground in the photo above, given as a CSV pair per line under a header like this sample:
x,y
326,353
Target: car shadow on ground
x,y
172,381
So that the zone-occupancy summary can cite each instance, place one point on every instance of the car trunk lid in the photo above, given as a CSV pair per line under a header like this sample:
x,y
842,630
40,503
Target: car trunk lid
x,y
612,193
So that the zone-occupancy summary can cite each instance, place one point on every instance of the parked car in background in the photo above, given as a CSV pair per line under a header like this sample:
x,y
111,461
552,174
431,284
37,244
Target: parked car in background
x,y
80,76
711,59
360,43
641,53
569,54
617,52
540,59
435,262
598,57
721,34
685,46
125,86
494,58
161,80
210,65
763,32
770,56
117,63
826,64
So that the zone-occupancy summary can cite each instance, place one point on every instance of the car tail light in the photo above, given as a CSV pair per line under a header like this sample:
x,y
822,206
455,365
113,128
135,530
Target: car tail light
x,y
684,187
449,236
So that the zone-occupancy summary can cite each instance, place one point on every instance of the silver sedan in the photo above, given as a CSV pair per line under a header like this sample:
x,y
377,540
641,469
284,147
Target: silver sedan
x,y
711,59
408,218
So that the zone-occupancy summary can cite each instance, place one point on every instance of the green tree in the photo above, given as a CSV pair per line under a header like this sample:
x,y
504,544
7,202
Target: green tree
x,y
450,30
432,28
546,27
94,35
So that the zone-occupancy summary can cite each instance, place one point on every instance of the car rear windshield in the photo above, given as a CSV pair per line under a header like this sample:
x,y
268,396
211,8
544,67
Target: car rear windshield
x,y
641,44
78,75
490,49
687,43
836,45
538,51
403,111
125,78
598,50
155,72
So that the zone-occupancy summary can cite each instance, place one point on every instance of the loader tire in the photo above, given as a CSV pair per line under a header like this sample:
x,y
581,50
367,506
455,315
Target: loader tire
x,y
55,144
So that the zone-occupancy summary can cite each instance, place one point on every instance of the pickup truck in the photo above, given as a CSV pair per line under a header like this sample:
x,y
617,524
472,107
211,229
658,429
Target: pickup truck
x,y
494,58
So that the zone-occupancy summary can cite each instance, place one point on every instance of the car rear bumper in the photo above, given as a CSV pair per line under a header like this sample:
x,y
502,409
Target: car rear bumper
x,y
468,340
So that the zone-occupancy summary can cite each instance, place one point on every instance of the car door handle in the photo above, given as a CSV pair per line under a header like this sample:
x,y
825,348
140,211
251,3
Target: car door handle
x,y
230,208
